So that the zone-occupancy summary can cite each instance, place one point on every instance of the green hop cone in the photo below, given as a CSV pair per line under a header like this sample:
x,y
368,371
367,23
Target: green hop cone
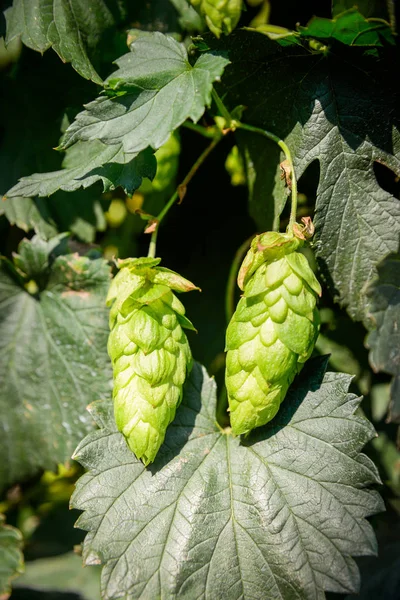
x,y
221,16
149,351
273,330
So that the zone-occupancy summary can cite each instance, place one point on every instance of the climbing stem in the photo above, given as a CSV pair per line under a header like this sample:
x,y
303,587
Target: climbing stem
x,y
181,191
208,132
288,156
231,284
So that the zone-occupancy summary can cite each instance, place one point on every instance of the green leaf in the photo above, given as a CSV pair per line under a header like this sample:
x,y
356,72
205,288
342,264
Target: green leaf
x,y
11,557
260,157
80,212
88,162
155,76
34,255
277,515
368,8
62,573
384,317
54,362
70,27
342,112
351,28
26,214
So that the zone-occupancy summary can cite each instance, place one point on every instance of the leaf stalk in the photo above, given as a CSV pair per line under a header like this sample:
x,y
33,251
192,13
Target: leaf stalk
x,y
181,191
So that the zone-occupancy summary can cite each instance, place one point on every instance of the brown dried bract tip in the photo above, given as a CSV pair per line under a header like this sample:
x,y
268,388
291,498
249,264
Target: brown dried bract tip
x,y
286,173
304,231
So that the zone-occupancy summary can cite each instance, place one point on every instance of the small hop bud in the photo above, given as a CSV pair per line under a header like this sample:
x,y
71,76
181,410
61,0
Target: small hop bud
x,y
149,351
221,16
273,330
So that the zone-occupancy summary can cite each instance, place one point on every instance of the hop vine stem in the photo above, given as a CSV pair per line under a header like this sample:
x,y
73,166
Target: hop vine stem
x,y
235,124
181,190
231,125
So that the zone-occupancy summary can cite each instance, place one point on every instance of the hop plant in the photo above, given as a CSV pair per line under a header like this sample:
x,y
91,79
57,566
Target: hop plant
x,y
274,328
149,351
221,16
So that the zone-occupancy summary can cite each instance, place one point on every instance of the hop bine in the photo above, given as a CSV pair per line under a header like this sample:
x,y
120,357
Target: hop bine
x,y
274,328
149,351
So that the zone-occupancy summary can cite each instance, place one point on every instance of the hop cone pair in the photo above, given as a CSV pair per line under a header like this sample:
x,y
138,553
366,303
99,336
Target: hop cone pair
x,y
149,350
221,16
274,328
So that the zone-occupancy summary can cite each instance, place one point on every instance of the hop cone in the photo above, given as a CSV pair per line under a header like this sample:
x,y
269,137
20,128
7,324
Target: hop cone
x,y
273,330
150,353
221,16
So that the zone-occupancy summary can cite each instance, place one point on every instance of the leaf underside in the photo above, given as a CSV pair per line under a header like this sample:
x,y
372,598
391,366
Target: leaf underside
x,y
278,515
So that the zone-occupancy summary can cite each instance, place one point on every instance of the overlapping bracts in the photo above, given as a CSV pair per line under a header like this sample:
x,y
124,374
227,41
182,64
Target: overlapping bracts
x,y
273,330
149,350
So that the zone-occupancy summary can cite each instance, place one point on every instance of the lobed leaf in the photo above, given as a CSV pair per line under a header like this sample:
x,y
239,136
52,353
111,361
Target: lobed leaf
x,y
54,363
84,164
152,93
342,113
277,515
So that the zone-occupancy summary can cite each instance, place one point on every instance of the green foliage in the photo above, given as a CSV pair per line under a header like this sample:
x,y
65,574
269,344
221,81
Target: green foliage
x,y
11,557
97,165
136,110
54,343
88,162
368,8
384,316
62,573
224,499
71,28
350,27
325,117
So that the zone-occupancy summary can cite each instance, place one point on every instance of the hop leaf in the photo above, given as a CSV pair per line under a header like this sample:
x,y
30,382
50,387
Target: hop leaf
x,y
150,352
273,330
221,16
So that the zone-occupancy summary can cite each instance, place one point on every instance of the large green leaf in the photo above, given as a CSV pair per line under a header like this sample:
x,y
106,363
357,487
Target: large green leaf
x,y
277,515
71,27
53,358
340,109
384,318
11,557
88,162
154,91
